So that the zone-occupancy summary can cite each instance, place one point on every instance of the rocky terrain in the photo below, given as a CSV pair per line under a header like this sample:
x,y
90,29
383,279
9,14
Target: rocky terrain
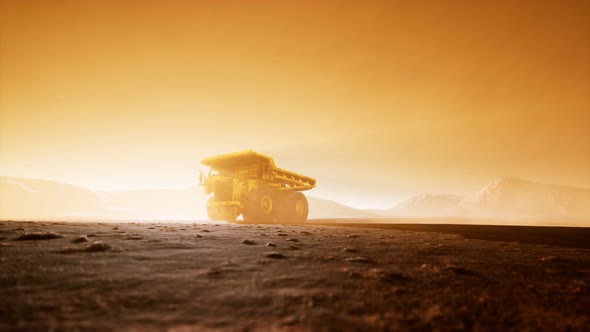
x,y
313,277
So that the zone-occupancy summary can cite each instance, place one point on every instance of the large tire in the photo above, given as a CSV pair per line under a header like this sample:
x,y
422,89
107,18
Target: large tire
x,y
260,206
293,209
218,213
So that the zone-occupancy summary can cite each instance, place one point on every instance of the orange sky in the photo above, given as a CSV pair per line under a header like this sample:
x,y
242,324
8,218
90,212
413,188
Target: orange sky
x,y
377,99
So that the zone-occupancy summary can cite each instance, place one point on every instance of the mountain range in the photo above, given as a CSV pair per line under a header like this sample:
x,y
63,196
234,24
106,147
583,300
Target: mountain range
x,y
423,205
22,198
505,198
514,198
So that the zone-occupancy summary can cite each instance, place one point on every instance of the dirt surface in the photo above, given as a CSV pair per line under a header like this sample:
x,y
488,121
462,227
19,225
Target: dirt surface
x,y
572,237
198,276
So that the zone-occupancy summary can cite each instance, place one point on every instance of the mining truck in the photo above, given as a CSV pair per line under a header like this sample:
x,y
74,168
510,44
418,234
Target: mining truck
x,y
250,184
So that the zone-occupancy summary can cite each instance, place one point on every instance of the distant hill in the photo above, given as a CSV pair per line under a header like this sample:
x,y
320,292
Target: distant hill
x,y
509,198
424,205
22,198
325,209
506,198
502,199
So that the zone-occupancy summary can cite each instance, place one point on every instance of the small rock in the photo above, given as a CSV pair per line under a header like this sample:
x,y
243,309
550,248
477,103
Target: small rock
x,y
460,270
387,276
429,268
205,231
304,233
80,239
292,239
97,246
432,312
282,234
293,248
230,263
249,242
358,259
270,244
290,320
214,272
275,254
69,251
262,234
135,237
352,236
198,236
39,236
349,249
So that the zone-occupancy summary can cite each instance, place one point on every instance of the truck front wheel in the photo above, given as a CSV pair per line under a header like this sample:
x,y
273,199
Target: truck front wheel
x,y
219,213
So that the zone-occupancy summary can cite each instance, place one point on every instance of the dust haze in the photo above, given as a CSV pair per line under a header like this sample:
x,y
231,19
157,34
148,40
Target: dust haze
x,y
450,142
505,201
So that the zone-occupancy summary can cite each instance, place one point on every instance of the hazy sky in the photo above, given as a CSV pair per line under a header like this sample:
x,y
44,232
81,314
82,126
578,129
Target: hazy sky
x,y
378,100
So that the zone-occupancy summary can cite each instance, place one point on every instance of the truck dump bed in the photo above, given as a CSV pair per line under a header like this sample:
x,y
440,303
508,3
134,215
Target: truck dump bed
x,y
239,159
247,165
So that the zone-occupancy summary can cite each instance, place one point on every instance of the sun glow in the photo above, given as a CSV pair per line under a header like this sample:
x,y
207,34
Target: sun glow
x,y
378,101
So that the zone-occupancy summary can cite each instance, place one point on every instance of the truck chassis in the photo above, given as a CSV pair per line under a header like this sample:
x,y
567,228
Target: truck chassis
x,y
250,184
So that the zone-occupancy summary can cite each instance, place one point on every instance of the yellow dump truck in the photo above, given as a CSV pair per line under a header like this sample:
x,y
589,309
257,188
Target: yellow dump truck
x,y
250,184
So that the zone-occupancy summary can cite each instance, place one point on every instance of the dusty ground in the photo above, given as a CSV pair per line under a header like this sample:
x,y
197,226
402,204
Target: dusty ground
x,y
185,277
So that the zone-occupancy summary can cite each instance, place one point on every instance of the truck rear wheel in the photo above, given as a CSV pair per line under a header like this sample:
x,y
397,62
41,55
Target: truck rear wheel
x,y
294,208
260,206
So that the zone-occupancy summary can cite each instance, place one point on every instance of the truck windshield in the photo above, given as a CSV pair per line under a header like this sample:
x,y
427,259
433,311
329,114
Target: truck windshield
x,y
222,172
